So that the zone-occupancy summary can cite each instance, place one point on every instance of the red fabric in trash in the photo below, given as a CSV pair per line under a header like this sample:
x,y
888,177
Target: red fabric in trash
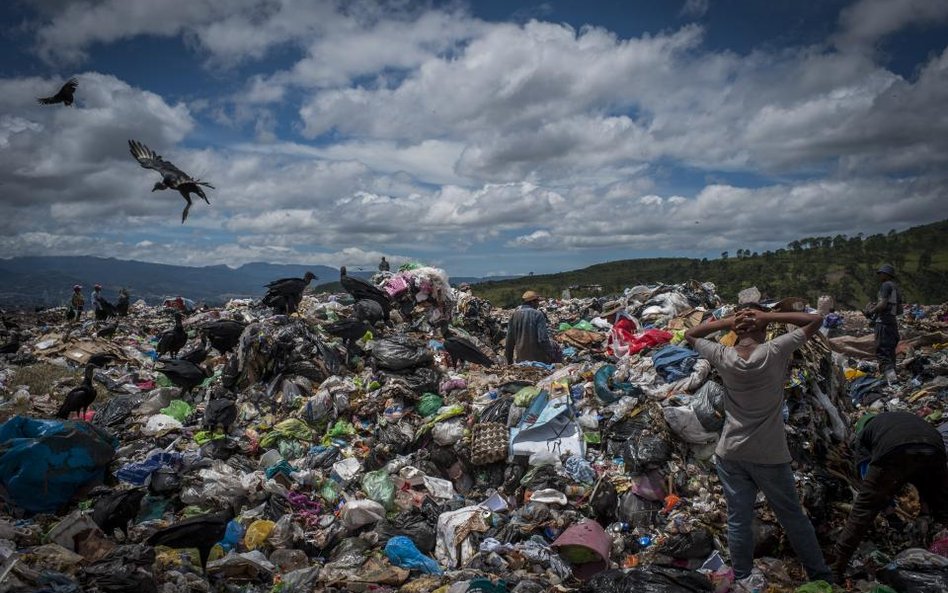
x,y
624,332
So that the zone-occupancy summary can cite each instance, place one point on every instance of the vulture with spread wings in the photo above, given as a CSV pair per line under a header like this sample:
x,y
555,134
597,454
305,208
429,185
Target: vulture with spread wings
x,y
171,176
65,94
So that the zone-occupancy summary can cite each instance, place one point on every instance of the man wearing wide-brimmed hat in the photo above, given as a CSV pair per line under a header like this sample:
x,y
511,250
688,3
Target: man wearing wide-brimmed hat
x,y
528,333
885,312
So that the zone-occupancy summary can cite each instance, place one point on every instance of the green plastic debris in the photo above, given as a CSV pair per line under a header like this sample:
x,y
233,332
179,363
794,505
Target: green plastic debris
x,y
206,436
291,428
815,587
523,397
329,491
163,381
378,486
341,428
282,467
177,409
429,404
585,326
882,589
563,326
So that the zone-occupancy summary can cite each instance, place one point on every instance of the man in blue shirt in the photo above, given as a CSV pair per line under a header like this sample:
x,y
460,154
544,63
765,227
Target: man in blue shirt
x,y
528,333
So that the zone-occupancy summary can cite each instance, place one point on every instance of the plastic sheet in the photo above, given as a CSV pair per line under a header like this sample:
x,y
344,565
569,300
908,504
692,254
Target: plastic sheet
x,y
401,551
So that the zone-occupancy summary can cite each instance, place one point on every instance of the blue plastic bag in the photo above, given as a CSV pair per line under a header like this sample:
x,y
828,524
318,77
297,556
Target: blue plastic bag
x,y
43,463
137,473
402,552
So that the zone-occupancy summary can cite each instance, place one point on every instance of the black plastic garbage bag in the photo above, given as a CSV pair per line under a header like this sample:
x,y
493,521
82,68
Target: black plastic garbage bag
x,y
164,481
419,380
913,581
694,545
637,511
397,439
646,451
604,502
400,352
654,579
708,405
117,410
497,410
412,524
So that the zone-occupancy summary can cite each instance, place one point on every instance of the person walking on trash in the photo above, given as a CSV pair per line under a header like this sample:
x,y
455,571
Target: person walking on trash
x,y
76,304
528,334
97,305
384,265
885,313
752,452
892,449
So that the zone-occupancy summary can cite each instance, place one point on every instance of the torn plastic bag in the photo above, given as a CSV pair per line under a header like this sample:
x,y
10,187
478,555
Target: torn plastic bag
x,y
248,566
683,421
674,362
400,352
412,524
646,451
609,391
160,424
357,513
497,410
708,404
401,551
554,429
654,579
447,433
44,462
397,436
380,487
453,548
137,473
904,580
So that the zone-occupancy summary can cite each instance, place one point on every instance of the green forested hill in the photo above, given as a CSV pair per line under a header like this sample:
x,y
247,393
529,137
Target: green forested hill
x,y
840,266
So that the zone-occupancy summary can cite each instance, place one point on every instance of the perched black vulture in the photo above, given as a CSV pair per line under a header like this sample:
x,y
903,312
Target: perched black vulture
x,y
460,349
12,345
101,359
369,311
182,373
362,290
350,330
79,399
200,532
220,412
174,339
197,354
171,176
115,510
286,294
65,94
223,334
108,331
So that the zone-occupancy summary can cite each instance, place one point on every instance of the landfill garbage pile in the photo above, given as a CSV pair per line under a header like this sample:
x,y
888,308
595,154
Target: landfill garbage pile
x,y
328,451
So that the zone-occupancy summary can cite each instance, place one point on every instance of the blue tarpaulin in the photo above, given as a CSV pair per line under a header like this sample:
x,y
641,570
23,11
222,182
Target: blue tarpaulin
x,y
44,462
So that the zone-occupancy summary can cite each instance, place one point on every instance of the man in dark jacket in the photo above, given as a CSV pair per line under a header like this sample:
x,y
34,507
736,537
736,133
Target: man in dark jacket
x,y
528,334
893,449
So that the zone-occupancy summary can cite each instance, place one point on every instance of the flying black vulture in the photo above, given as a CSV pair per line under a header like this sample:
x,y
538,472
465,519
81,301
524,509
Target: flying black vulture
x,y
117,509
182,373
223,334
201,532
220,412
65,94
174,339
79,399
171,176
286,294
362,290
368,311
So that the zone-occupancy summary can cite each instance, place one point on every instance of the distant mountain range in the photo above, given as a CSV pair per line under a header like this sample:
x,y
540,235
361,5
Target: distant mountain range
x,y
47,281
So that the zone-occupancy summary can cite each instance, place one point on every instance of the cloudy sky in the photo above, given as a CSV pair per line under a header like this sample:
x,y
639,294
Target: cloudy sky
x,y
486,137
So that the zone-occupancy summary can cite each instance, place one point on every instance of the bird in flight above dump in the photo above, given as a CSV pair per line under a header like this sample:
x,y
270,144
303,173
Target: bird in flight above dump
x,y
65,94
171,176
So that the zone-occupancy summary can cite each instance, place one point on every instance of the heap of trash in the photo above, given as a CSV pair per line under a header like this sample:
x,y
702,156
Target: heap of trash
x,y
324,452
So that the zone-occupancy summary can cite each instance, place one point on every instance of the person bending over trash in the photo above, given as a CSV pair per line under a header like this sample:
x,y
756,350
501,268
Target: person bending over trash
x,y
892,449
528,334
752,452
